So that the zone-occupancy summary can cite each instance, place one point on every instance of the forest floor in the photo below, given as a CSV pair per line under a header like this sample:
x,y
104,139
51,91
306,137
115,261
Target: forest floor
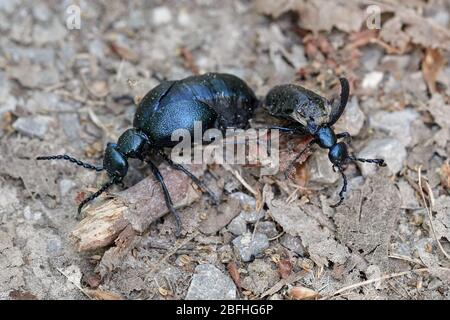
x,y
273,238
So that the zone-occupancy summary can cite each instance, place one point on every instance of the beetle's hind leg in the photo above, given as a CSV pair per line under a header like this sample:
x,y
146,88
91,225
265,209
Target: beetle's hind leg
x,y
196,180
167,197
343,189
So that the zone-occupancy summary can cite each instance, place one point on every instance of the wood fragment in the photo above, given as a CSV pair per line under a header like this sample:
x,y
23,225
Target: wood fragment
x,y
131,211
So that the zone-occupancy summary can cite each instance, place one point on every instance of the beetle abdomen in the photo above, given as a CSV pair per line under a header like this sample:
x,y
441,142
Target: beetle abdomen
x,y
217,100
296,103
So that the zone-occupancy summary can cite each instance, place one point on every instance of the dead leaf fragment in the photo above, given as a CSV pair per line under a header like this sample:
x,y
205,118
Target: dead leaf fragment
x,y
432,63
103,295
284,268
302,293
445,175
22,295
234,274
123,52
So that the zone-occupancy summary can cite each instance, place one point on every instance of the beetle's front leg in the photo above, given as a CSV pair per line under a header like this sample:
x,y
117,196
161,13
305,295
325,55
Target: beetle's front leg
x,y
344,135
167,197
196,180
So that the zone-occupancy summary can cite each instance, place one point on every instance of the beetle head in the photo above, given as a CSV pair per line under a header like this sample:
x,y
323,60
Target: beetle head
x,y
338,154
114,162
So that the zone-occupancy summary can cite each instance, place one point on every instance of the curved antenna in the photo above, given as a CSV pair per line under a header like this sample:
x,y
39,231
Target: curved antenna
x,y
73,160
103,188
343,189
338,108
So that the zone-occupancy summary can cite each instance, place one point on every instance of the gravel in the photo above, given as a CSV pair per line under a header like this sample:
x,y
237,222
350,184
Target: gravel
x,y
33,126
209,283
248,247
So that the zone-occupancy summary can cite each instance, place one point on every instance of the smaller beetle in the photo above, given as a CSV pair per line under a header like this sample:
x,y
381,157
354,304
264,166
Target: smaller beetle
x,y
312,114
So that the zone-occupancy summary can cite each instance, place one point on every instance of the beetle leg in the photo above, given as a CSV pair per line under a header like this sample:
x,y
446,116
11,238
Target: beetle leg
x,y
343,189
167,197
196,180
103,188
291,165
283,129
343,135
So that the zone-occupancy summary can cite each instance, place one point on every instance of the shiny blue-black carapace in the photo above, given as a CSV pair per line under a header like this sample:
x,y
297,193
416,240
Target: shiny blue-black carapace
x,y
216,100
309,113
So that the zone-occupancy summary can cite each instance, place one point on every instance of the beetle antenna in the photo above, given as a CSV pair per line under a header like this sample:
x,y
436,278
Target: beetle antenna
x,y
343,189
345,90
293,162
73,160
103,188
379,162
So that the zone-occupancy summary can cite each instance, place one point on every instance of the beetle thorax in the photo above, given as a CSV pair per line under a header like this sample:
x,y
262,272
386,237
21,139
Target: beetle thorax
x,y
326,137
132,143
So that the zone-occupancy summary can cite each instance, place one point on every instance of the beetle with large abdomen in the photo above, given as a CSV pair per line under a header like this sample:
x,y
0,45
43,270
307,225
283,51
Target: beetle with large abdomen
x,y
309,113
216,100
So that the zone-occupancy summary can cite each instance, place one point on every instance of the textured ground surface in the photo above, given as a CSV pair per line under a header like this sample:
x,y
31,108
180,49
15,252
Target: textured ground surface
x,y
57,95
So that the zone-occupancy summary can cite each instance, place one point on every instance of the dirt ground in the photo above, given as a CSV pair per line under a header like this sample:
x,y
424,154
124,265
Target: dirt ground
x,y
272,238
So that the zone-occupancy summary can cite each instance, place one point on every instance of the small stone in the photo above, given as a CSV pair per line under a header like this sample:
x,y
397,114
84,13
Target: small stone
x,y
247,202
97,47
8,106
237,226
8,196
293,243
268,228
9,6
53,32
260,277
65,185
33,76
4,88
352,120
209,283
372,80
184,19
321,169
161,15
370,57
54,246
407,193
395,64
41,12
249,248
252,216
137,19
31,215
33,126
434,284
397,124
71,126
391,150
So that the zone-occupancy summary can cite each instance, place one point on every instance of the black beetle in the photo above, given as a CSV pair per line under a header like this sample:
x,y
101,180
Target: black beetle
x,y
309,113
217,100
